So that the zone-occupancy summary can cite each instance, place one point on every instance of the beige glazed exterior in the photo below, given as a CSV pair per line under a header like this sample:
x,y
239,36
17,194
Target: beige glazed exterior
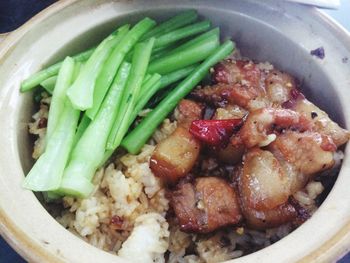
x,y
279,32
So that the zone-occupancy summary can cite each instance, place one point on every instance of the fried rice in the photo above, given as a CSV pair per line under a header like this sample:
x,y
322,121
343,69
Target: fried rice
x,y
126,214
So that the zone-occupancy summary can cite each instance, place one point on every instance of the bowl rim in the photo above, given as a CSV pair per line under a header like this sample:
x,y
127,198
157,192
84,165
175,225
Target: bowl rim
x,y
17,239
336,246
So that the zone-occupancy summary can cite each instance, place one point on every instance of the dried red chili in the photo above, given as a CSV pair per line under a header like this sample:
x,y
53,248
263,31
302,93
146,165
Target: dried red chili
x,y
215,132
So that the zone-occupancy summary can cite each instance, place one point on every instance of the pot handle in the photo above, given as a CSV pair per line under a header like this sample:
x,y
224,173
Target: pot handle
x,y
3,36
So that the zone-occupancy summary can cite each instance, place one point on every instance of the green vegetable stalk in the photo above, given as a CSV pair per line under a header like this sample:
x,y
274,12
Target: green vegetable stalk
x,y
37,78
82,90
140,62
175,76
49,84
135,140
181,33
83,124
173,23
65,78
89,150
152,84
111,66
174,48
157,83
197,40
184,58
47,172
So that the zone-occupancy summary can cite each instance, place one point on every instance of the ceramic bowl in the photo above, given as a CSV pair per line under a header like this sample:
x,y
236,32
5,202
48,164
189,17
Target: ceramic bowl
x,y
274,31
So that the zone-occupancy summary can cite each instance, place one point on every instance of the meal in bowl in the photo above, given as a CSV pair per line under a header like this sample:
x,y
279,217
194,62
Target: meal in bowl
x,y
147,165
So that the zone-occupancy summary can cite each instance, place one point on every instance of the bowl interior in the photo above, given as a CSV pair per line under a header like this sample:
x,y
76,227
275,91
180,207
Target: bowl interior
x,y
262,31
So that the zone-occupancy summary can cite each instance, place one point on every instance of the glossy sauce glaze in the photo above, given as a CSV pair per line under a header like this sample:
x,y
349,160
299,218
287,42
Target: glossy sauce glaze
x,y
273,138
